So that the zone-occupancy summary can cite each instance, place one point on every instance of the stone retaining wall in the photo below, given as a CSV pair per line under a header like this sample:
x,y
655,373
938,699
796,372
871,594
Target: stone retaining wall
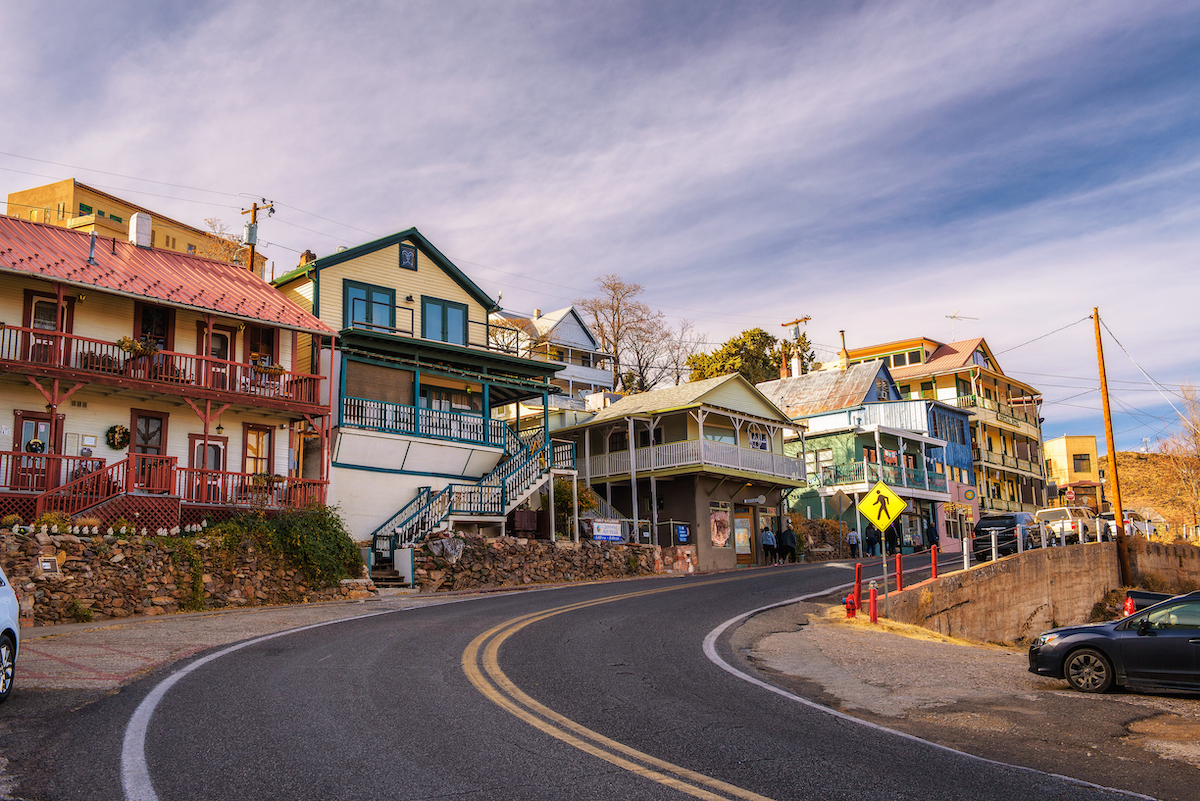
x,y
1017,598
115,577
514,562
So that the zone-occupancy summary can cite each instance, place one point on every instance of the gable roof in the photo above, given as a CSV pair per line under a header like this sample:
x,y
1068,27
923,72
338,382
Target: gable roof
x,y
544,326
826,390
175,279
411,235
683,396
947,358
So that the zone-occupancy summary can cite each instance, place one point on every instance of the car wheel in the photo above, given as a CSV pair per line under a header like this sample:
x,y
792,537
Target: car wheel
x,y
1088,671
8,664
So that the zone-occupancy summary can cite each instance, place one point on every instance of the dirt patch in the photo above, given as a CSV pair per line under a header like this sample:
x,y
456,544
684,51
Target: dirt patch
x,y
980,699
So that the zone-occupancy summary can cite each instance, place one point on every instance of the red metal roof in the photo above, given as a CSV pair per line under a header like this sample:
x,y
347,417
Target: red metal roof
x,y
176,279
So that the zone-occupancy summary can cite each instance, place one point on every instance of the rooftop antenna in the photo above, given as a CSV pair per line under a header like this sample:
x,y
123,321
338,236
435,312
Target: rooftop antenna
x,y
956,316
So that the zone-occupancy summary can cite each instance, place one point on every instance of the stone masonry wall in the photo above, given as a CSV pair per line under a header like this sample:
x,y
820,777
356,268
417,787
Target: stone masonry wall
x,y
513,562
1016,598
115,577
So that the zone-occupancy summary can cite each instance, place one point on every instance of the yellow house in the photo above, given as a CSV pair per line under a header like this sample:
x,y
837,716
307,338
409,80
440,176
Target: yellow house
x,y
1071,465
1006,432
80,207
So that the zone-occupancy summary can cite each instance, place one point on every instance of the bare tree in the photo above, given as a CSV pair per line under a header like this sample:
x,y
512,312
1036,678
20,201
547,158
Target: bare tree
x,y
517,335
221,244
1183,449
684,341
624,325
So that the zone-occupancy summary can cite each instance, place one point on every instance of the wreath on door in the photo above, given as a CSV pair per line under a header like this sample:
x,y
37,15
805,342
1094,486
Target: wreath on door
x,y
117,438
35,446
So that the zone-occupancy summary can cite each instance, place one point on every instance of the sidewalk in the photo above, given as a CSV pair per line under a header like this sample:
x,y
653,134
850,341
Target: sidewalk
x,y
106,655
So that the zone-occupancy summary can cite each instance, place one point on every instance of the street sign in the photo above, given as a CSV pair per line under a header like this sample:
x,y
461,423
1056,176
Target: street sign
x,y
1070,495
840,502
881,506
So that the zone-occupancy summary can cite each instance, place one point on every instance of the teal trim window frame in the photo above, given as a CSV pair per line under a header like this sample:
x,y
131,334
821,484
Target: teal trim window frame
x,y
368,305
444,320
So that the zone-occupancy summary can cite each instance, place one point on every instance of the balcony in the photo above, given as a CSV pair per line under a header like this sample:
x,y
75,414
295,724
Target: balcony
x,y
413,421
73,484
698,453
991,411
1004,461
58,355
868,474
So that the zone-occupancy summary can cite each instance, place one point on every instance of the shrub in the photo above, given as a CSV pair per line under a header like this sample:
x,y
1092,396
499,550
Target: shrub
x,y
315,538
122,521
79,612
87,521
56,518
10,521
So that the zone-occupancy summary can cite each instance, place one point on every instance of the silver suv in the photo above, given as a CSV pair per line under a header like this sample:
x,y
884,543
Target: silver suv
x,y
1070,521
10,635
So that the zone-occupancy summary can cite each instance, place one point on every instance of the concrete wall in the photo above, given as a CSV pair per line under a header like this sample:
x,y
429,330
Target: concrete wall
x,y
1017,598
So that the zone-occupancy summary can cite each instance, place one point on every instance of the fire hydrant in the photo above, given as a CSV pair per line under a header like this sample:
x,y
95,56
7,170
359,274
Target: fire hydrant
x,y
1129,607
851,604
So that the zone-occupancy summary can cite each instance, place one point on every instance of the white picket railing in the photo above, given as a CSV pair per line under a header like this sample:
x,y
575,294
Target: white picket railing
x,y
696,453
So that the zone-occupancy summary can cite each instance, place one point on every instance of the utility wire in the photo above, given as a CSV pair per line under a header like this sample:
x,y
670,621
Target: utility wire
x,y
1185,420
1043,336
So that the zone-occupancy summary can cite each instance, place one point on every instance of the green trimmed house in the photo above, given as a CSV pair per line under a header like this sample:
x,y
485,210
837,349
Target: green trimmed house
x,y
417,377
708,469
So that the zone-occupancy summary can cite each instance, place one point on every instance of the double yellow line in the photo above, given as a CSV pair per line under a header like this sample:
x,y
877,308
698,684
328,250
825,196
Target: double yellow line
x,y
480,663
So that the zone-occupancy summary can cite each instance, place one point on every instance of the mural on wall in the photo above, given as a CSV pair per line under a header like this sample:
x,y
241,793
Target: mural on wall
x,y
718,523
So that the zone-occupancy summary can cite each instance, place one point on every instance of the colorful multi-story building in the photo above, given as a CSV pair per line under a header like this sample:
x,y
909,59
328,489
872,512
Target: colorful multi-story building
x,y
1006,432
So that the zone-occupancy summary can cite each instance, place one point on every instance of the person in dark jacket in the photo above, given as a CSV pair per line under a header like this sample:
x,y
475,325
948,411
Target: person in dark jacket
x,y
787,550
893,539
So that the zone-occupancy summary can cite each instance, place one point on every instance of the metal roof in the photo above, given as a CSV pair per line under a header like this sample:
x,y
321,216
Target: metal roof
x,y
824,390
174,279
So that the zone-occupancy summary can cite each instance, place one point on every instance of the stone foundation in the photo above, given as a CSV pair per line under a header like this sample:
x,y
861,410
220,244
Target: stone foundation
x,y
115,577
513,562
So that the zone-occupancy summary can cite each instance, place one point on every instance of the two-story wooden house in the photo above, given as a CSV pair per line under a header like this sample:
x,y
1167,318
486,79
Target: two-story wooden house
x,y
417,378
563,338
858,431
704,459
150,385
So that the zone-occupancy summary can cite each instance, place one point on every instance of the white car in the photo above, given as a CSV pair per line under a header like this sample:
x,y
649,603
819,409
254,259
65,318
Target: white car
x,y
1135,524
10,635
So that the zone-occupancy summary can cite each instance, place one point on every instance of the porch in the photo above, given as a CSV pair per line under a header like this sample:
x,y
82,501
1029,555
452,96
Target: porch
x,y
696,453
867,474
142,485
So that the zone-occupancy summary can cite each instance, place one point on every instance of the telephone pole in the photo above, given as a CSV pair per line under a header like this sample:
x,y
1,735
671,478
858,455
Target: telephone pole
x,y
1118,513
251,235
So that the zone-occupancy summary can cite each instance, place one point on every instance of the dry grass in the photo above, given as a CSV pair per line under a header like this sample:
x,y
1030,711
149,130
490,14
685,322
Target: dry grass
x,y
837,616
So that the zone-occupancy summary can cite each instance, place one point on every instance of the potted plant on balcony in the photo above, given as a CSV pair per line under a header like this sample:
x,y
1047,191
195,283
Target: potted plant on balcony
x,y
137,347
101,362
268,369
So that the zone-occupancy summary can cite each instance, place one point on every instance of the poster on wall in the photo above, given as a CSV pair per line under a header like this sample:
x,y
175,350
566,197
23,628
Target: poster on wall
x,y
718,523
741,534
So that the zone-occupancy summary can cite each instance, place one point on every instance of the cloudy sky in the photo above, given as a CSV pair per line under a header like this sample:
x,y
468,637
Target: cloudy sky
x,y
878,166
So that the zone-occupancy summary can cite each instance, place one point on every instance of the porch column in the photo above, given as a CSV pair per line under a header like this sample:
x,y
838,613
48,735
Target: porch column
x,y
552,510
878,459
925,466
900,462
575,505
653,510
587,456
487,415
633,478
205,364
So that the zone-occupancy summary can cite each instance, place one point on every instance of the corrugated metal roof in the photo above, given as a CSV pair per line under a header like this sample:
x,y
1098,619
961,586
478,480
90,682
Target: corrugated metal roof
x,y
952,356
176,279
823,391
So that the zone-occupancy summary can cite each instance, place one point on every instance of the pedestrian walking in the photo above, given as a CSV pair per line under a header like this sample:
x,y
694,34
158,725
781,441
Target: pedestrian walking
x,y
892,539
788,544
872,540
852,538
768,545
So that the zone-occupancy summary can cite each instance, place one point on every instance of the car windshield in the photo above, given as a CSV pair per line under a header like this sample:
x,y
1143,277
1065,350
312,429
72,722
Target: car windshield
x,y
1054,514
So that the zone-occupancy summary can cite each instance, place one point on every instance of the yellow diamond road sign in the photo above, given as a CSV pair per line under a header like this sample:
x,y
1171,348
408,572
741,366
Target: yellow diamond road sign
x,y
881,506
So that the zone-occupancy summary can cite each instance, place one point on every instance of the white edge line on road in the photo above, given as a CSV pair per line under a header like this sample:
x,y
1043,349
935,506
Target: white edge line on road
x,y
710,650
135,773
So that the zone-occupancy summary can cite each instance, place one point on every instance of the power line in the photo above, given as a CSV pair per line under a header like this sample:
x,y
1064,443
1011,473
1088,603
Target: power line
x,y
1185,420
1043,336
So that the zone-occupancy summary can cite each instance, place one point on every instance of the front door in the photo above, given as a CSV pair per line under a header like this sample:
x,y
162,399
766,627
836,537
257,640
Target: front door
x,y
31,472
743,535
208,487
148,450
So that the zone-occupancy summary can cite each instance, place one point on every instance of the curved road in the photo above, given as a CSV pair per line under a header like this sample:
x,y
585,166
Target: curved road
x,y
590,692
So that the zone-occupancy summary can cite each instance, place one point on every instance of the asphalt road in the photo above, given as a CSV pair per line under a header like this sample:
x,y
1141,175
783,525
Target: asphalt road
x,y
591,692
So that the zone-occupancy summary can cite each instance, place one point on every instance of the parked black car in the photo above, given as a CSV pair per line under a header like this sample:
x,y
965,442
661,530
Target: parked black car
x,y
1158,647
1006,528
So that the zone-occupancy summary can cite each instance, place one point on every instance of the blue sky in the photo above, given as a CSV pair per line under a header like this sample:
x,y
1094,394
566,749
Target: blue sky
x,y
877,166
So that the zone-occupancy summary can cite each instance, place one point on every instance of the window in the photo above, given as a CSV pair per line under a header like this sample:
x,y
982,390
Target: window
x,y
84,210
881,389
444,321
99,213
450,400
1049,465
644,437
191,248
367,306
815,461
758,439
256,457
720,435
904,390
914,357
152,232
1081,462
116,219
618,441
153,324
260,345
62,210
926,389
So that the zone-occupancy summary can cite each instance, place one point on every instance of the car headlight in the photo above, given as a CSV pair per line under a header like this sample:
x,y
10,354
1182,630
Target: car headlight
x,y
1044,640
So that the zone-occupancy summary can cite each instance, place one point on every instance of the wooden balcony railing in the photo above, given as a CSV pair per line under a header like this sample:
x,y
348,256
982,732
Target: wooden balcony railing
x,y
250,489
398,418
31,346
38,472
698,453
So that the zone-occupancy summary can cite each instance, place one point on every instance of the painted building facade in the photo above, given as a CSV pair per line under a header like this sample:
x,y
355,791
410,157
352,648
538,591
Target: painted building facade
x,y
150,385
1072,465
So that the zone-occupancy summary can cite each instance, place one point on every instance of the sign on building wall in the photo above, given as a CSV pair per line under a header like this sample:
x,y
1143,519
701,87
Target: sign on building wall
x,y
606,530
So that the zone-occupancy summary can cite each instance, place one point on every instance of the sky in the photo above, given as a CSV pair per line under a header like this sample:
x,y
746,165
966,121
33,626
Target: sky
x,y
879,167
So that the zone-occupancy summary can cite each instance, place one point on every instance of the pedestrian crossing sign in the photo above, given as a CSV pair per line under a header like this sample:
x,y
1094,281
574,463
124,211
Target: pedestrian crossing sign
x,y
881,506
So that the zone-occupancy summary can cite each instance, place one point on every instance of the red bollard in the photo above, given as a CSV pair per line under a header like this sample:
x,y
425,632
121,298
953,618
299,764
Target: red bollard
x,y
874,605
933,556
858,585
899,571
